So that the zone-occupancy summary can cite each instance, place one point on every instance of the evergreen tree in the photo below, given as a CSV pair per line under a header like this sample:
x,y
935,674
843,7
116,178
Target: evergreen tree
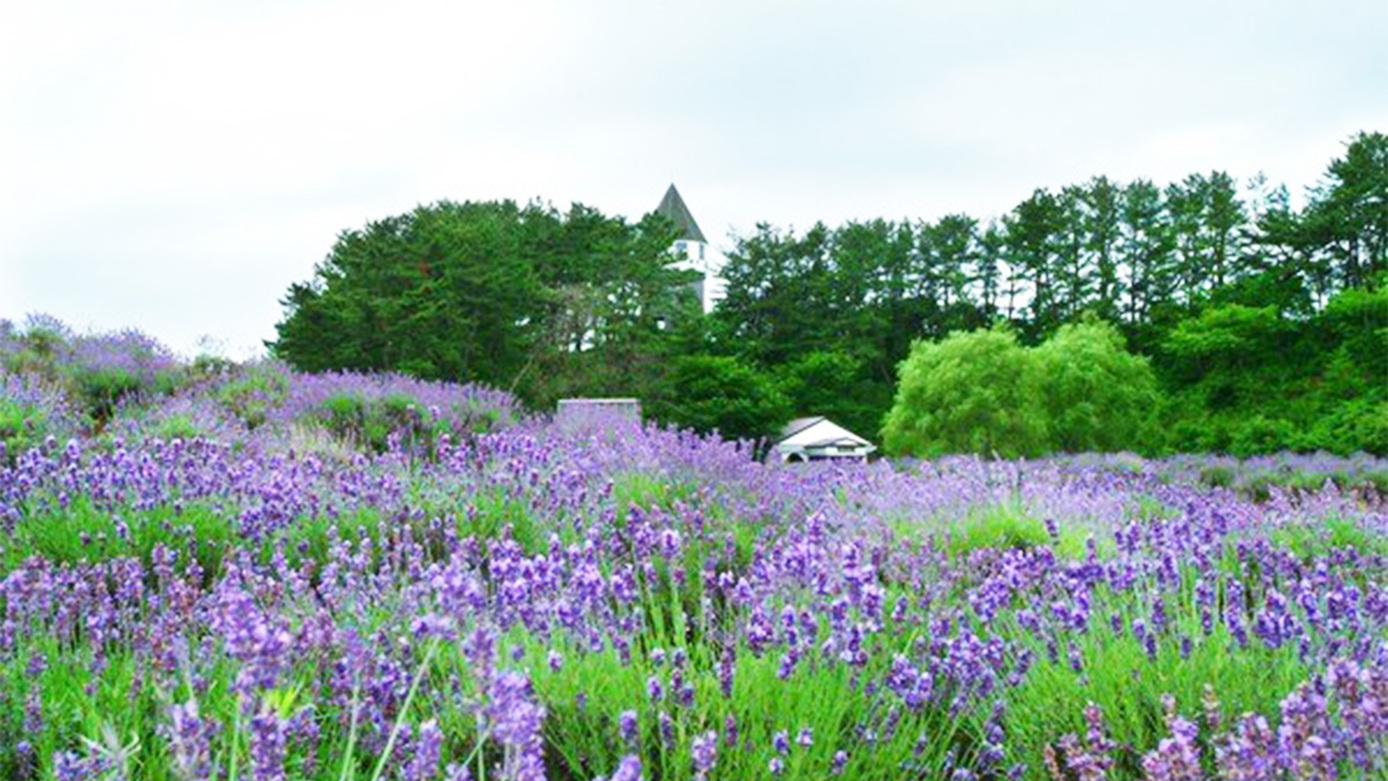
x,y
1101,202
1146,242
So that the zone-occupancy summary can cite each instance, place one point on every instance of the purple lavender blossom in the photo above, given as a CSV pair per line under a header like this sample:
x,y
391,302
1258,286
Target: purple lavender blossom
x,y
190,738
428,747
268,747
704,750
840,762
629,769
626,726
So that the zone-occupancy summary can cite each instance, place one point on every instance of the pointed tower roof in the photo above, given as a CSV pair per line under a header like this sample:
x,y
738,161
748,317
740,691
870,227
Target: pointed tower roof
x,y
672,206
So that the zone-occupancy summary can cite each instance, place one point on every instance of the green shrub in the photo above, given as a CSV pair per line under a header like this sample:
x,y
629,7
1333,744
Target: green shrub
x,y
370,423
176,427
1355,425
252,395
1003,527
22,426
718,393
100,390
1217,476
836,385
1258,435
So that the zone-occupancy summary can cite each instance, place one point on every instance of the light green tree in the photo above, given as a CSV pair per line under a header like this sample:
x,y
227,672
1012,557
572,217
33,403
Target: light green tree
x,y
1099,396
978,392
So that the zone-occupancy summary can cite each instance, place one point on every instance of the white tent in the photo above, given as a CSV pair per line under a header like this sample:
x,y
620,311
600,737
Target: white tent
x,y
817,438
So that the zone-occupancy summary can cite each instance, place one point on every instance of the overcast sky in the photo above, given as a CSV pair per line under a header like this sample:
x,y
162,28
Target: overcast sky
x,y
174,166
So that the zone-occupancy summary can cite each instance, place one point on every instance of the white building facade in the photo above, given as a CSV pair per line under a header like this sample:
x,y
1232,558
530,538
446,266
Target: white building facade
x,y
818,439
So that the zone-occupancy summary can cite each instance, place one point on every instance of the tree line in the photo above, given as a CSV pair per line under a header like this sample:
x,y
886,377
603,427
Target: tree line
x,y
529,299
1261,320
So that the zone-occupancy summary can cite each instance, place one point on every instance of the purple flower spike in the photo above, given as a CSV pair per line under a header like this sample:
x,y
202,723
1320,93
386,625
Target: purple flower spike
x,y
629,769
267,747
428,747
705,752
626,725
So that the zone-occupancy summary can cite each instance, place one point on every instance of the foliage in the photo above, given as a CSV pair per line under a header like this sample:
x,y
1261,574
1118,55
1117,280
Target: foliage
x,y
837,386
22,426
984,393
1228,290
977,392
488,292
1358,319
253,391
372,423
711,393
1248,380
1099,397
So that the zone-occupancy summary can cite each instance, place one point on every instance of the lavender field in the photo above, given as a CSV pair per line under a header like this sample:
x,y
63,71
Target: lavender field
x,y
241,572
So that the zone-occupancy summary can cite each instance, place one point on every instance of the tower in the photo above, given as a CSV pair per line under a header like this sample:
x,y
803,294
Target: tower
x,y
698,254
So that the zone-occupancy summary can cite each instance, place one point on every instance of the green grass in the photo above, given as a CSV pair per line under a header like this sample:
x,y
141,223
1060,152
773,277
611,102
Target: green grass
x,y
82,532
1118,677
1316,540
1007,526
22,426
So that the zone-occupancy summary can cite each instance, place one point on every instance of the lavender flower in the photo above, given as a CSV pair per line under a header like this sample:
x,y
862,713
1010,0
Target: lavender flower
x,y
629,769
704,750
190,738
267,747
428,746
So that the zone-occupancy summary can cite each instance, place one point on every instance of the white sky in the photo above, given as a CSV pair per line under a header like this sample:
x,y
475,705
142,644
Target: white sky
x,y
174,166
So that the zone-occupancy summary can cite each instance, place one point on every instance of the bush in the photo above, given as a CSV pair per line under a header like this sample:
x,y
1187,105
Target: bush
x,y
1355,425
177,427
32,409
717,393
252,394
978,392
835,384
383,423
22,427
105,369
1258,435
